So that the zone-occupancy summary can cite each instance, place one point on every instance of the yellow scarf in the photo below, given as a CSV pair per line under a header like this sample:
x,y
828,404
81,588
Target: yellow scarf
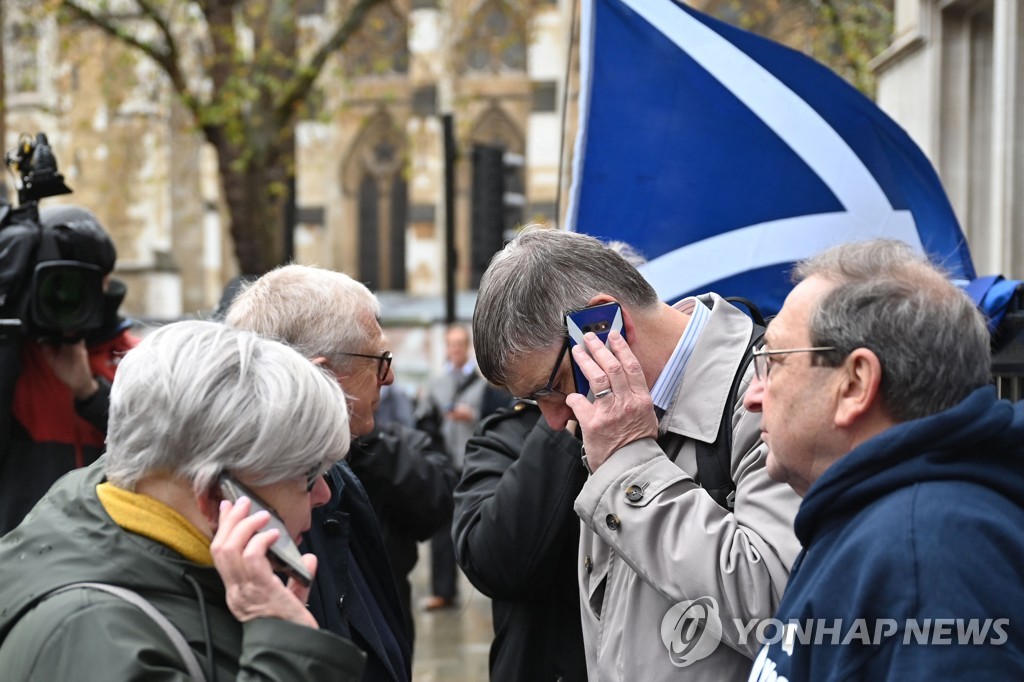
x,y
153,519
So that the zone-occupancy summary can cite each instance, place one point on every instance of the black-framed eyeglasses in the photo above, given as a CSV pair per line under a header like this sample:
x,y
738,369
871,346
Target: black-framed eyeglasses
x,y
314,475
383,360
548,390
762,357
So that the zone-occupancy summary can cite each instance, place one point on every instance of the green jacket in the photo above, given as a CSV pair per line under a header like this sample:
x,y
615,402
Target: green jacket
x,y
88,635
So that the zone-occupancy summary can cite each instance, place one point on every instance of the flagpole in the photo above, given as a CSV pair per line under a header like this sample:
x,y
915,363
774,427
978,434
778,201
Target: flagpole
x,y
565,109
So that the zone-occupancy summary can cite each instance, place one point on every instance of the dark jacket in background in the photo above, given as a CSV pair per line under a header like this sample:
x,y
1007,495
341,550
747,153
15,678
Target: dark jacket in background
x,y
409,480
517,540
83,634
354,594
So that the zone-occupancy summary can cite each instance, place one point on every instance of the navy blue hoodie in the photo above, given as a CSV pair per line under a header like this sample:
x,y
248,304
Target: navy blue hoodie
x,y
913,561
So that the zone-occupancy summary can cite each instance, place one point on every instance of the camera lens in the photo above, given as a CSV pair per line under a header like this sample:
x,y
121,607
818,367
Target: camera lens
x,y
67,297
62,297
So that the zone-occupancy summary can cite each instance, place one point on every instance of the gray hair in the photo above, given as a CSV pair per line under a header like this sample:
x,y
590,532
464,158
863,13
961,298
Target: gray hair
x,y
320,313
196,398
929,336
533,282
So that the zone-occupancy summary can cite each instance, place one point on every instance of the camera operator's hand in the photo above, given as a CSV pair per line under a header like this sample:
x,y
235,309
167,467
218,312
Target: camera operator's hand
x,y
70,362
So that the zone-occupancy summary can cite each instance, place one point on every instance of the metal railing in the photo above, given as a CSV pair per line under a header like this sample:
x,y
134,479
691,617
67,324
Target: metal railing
x,y
1008,350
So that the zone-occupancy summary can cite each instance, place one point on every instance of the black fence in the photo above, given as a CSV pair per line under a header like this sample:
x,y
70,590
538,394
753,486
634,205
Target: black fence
x,y
1008,350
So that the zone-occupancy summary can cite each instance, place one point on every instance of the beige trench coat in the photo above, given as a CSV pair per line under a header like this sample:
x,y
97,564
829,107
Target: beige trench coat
x,y
641,553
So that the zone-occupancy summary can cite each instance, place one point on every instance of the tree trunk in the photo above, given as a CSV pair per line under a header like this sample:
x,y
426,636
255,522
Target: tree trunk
x,y
256,193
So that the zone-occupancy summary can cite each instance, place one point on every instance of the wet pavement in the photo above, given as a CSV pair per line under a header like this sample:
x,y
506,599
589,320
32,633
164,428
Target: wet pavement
x,y
451,644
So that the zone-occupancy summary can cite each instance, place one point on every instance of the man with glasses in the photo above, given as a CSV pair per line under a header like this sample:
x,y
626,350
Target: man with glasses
x,y
653,541
875,399
333,320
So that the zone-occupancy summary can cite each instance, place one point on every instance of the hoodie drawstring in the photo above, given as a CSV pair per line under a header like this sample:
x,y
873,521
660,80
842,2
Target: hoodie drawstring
x,y
211,669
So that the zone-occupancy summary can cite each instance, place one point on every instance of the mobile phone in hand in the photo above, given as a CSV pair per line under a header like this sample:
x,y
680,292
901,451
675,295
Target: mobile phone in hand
x,y
283,554
599,319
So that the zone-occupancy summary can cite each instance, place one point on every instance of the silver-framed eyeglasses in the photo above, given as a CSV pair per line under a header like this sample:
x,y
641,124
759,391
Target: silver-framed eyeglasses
x,y
548,390
383,360
762,358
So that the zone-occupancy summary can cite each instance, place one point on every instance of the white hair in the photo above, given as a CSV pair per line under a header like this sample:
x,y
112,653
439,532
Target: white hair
x,y
318,312
195,399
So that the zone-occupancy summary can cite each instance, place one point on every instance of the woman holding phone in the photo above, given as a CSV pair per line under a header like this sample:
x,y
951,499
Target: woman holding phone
x,y
193,404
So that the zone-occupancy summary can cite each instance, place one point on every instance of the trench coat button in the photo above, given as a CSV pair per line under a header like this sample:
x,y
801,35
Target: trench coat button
x,y
613,522
588,564
341,603
332,527
634,493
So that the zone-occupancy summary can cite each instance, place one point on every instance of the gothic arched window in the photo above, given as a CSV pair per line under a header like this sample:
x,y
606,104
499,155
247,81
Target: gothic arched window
x,y
495,40
375,171
381,46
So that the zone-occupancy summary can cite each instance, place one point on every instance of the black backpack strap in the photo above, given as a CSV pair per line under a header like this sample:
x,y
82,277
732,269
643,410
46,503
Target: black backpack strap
x,y
714,460
188,656
755,312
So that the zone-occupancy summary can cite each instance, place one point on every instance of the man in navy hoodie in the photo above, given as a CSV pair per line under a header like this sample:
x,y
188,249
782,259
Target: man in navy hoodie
x,y
873,388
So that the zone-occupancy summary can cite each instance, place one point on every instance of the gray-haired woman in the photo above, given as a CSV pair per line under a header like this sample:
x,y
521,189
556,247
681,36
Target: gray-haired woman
x,y
193,402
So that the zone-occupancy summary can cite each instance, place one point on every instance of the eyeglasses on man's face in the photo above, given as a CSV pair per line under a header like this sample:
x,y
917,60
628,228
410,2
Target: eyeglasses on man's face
x,y
762,358
548,391
383,362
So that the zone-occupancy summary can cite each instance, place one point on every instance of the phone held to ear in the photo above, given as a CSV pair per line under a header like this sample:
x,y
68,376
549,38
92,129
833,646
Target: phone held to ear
x,y
600,319
283,554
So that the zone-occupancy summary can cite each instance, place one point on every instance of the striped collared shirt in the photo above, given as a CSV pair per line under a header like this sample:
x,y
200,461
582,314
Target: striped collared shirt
x,y
664,389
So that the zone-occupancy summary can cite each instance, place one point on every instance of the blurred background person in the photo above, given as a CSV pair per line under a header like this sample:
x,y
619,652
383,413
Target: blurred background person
x,y
395,406
55,391
451,400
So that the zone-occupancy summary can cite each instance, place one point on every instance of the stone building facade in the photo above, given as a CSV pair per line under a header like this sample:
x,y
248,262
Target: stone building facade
x,y
370,160
370,173
954,78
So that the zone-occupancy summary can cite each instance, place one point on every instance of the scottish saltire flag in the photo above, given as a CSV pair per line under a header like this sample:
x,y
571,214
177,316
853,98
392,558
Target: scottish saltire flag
x,y
724,157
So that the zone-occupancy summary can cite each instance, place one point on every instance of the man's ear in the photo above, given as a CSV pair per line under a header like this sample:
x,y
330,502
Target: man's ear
x,y
861,381
321,361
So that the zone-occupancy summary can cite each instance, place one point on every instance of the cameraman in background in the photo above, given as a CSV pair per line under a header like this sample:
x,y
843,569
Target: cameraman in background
x,y
55,386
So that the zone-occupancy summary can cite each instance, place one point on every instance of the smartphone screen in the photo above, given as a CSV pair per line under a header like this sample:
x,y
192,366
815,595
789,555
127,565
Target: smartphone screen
x,y
283,554
600,319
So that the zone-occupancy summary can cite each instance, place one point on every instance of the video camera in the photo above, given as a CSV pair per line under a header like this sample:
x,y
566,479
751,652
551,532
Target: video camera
x,y
47,292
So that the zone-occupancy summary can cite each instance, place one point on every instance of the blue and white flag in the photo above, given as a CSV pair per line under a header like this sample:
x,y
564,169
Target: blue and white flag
x,y
725,157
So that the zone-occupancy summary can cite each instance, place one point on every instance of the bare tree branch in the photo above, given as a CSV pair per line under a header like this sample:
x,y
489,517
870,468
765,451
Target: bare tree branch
x,y
108,26
165,29
167,59
219,16
307,74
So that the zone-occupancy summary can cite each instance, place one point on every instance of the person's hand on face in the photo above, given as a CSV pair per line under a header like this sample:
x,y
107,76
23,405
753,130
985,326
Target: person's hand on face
x,y
621,416
251,587
70,362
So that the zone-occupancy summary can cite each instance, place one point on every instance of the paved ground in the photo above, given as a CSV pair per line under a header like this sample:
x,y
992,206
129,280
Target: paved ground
x,y
451,645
